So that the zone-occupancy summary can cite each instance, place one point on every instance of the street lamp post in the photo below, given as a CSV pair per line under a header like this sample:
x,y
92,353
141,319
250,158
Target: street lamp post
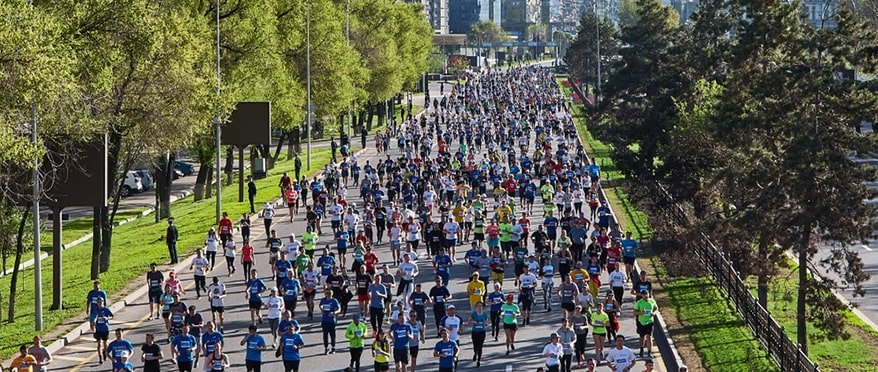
x,y
597,38
38,271
310,108
217,122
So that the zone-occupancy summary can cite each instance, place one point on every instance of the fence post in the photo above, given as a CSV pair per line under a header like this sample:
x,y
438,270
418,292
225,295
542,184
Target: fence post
x,y
799,357
783,350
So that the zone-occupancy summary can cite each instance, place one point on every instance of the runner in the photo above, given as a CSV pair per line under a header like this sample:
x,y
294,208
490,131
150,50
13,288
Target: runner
x,y
356,334
447,351
510,321
288,349
154,280
478,319
255,346
91,303
402,335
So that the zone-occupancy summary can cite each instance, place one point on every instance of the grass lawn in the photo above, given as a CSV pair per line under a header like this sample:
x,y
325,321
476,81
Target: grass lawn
x,y
135,245
80,227
857,353
709,330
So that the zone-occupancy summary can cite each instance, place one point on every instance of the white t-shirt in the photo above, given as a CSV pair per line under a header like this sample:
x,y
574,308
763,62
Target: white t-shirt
x,y
230,248
451,230
216,294
275,306
414,232
408,270
395,231
553,354
621,359
268,212
528,280
429,197
452,323
617,279
335,212
292,248
200,264
211,242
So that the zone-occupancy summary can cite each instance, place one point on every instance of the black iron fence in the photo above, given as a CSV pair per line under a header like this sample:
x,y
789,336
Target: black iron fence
x,y
787,354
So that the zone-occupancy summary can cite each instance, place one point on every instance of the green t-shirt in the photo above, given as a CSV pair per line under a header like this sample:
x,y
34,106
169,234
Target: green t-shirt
x,y
356,333
647,308
302,262
310,240
479,226
478,205
505,231
599,322
508,312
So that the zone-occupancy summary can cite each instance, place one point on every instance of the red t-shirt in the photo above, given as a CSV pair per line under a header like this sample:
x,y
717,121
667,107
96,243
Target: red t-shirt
x,y
225,226
247,253
292,195
370,259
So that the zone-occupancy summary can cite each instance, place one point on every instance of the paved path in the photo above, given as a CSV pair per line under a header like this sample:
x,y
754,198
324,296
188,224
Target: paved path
x,y
80,355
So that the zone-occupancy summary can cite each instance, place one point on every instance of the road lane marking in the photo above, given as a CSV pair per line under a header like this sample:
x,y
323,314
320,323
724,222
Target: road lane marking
x,y
866,247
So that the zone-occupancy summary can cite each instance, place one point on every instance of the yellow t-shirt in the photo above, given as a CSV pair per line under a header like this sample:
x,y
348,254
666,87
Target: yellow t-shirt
x,y
475,289
381,358
24,363
458,213
579,275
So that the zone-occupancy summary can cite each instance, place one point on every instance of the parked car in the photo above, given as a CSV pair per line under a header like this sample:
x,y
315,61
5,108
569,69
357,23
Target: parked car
x,y
184,168
132,184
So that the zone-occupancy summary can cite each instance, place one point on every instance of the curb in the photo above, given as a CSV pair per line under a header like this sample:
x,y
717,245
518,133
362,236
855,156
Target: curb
x,y
84,327
661,336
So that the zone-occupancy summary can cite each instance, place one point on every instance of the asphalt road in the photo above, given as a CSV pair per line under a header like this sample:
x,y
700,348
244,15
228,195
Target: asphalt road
x,y
81,356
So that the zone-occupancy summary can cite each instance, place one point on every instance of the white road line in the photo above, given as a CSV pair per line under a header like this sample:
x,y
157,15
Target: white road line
x,y
508,368
866,247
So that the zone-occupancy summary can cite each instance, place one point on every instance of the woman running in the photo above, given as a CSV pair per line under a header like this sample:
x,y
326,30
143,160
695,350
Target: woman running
x,y
479,319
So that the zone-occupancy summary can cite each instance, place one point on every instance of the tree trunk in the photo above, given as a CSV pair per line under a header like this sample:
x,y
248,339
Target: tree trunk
x,y
95,242
230,166
164,180
290,146
201,179
19,251
107,235
801,317
381,115
763,277
209,189
370,111
280,145
265,152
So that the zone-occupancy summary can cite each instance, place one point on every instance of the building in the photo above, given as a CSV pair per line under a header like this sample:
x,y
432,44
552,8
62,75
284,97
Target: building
x,y
491,10
518,14
462,14
684,8
821,13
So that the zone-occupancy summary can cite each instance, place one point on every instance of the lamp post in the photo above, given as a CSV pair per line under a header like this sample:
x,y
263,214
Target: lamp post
x,y
308,76
38,271
217,122
597,38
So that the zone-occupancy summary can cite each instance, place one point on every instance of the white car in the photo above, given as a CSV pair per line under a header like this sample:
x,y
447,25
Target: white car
x,y
132,184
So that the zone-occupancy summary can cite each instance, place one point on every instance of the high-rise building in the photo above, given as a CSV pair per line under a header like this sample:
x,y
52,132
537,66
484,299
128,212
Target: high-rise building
x,y
462,14
518,14
491,10
821,13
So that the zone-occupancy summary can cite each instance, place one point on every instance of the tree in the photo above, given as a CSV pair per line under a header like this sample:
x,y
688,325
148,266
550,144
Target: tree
x,y
639,97
583,51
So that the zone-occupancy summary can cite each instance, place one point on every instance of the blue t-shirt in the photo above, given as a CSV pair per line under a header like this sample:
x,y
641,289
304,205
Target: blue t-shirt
x,y
341,239
326,263
283,266
257,286
329,306
118,348
400,334
628,247
446,350
93,297
290,286
254,345
496,300
551,224
480,320
185,346
282,326
442,263
291,353
594,170
210,340
101,324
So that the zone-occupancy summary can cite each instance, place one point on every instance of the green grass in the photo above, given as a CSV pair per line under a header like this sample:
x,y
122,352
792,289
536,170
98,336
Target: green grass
x,y
80,227
719,337
857,353
135,245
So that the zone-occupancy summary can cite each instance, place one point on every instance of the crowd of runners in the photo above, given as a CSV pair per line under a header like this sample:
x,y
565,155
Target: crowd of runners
x,y
491,178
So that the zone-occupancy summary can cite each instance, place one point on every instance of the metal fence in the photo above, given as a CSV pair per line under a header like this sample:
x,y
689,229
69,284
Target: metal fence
x,y
786,353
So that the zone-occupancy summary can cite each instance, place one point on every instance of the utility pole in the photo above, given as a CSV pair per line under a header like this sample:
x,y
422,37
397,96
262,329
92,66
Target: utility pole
x,y
347,31
217,122
38,271
310,108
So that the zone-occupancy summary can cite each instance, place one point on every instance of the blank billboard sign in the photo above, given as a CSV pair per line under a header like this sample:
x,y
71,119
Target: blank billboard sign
x,y
83,184
250,124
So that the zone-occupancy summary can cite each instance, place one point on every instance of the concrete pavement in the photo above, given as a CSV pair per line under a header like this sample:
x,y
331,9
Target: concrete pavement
x,y
80,355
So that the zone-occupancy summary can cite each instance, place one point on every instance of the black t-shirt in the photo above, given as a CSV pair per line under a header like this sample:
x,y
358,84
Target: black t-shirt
x,y
274,244
419,299
151,365
363,282
155,279
439,295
